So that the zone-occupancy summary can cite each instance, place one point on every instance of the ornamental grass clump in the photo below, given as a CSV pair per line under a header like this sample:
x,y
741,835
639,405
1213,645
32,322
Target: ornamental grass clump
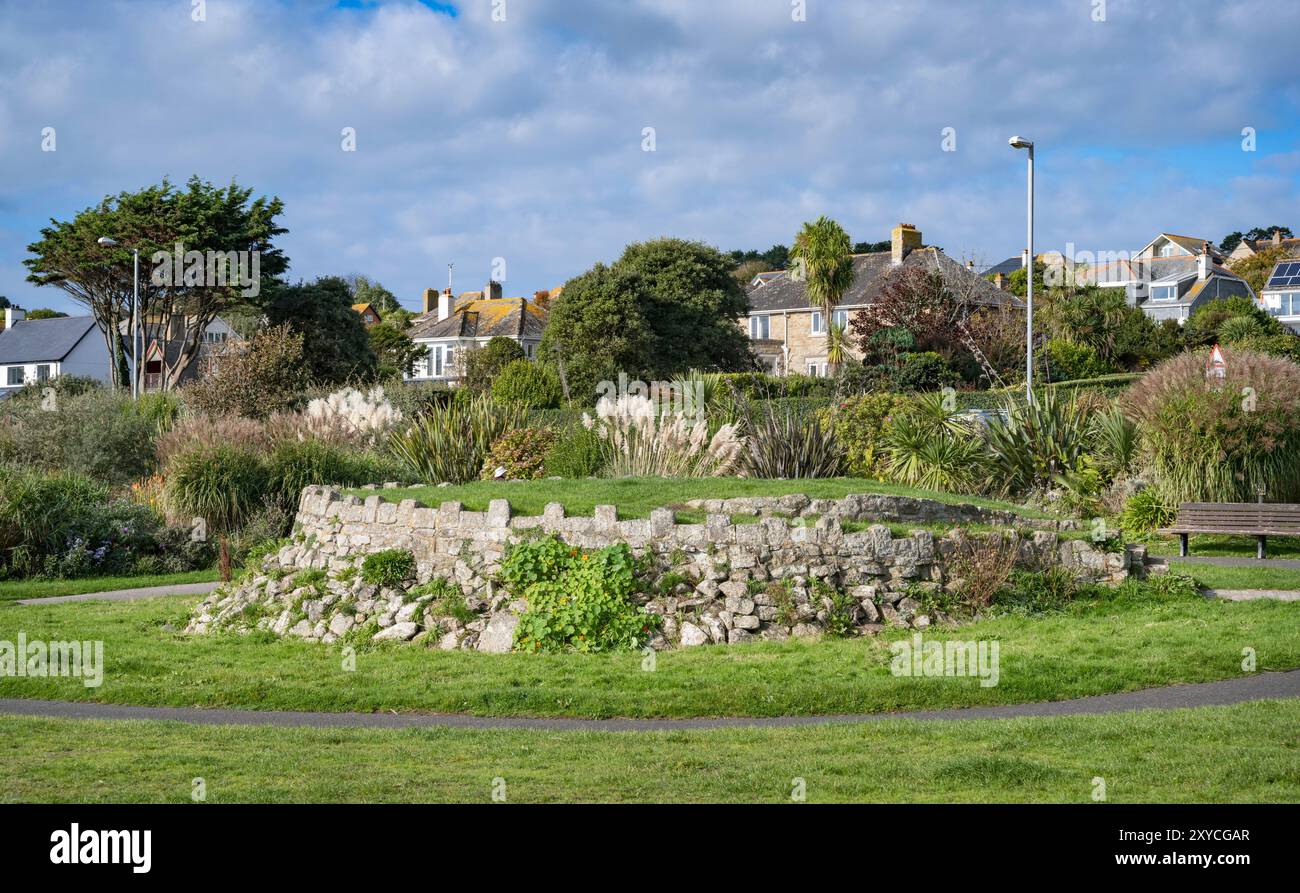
x,y
641,441
351,415
1221,439
450,443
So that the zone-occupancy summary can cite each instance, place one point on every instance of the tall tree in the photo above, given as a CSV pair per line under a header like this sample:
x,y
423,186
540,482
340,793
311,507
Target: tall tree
x,y
1232,240
823,258
336,345
177,304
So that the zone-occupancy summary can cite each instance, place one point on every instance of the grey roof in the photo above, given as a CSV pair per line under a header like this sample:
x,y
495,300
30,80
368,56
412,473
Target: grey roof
x,y
869,274
515,318
43,340
1007,267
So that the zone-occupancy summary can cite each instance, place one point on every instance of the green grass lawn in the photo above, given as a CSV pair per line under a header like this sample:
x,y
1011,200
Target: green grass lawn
x,y
636,497
1215,577
1216,546
1096,648
1243,753
16,589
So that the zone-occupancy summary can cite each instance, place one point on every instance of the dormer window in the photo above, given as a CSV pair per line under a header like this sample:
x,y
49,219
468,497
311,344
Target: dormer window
x,y
1164,292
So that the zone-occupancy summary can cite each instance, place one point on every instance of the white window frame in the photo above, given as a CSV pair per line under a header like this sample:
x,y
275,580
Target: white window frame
x,y
1172,289
760,323
9,376
49,371
840,318
817,326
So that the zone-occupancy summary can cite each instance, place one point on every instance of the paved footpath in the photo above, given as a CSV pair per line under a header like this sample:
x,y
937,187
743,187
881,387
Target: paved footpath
x,y
1260,686
126,595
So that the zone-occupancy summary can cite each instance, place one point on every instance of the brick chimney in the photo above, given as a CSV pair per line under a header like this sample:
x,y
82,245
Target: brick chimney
x,y
429,300
1024,258
1277,237
492,291
444,304
1204,262
903,239
999,281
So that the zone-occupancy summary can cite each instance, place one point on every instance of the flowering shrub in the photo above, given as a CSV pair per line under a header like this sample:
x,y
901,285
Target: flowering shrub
x,y
520,455
577,600
642,442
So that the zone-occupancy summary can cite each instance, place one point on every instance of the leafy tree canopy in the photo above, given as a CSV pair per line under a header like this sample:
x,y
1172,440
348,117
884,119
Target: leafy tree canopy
x,y
1232,240
45,313
336,345
211,220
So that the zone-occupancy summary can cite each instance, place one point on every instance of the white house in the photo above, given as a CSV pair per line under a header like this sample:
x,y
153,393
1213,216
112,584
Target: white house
x,y
35,350
1281,296
449,327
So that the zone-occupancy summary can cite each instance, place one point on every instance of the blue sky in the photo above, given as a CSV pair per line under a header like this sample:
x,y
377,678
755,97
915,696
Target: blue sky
x,y
522,139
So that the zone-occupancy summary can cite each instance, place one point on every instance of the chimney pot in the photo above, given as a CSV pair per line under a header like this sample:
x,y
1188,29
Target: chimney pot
x,y
493,290
1204,262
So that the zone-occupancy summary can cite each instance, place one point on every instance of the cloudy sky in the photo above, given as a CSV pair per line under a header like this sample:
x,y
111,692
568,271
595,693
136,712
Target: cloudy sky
x,y
524,138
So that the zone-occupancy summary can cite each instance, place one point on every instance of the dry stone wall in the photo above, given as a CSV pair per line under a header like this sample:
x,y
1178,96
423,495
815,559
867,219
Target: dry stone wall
x,y
730,582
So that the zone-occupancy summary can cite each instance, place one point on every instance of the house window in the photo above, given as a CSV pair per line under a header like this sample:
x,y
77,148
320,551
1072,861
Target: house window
x,y
15,376
449,360
1285,303
812,369
43,373
840,318
759,328
1164,292
817,327
1167,250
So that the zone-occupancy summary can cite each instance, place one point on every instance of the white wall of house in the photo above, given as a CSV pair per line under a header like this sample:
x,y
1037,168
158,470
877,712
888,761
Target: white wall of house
x,y
89,358
445,354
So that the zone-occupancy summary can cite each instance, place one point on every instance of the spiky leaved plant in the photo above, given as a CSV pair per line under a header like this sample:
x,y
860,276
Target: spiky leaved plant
x,y
449,443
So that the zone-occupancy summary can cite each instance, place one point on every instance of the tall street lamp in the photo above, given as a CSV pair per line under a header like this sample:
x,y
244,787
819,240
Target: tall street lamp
x,y
1019,142
135,315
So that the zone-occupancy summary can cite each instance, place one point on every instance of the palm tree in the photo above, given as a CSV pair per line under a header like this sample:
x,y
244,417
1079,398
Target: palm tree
x,y
823,257
835,346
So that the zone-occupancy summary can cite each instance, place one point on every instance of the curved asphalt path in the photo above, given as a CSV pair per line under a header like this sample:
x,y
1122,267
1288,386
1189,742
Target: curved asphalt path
x,y
125,595
1261,686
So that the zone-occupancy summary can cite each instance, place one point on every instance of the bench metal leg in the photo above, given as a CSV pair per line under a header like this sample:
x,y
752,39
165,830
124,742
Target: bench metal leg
x,y
1182,545
1261,543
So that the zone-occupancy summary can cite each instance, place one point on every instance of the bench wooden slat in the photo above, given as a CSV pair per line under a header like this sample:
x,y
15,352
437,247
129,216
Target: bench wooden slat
x,y
1258,519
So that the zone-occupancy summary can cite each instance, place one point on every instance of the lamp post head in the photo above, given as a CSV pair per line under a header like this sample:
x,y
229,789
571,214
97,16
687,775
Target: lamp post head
x,y
107,242
1019,142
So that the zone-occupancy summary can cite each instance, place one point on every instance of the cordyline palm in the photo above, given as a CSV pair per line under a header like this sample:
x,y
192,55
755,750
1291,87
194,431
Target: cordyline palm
x,y
824,254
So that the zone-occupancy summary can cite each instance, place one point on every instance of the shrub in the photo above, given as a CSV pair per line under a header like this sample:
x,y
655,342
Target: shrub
x,y
928,446
223,485
642,442
1219,440
1146,511
97,433
450,443
196,432
860,424
1069,361
252,378
1042,444
784,441
982,565
577,600
390,568
578,453
528,384
522,454
926,371
483,364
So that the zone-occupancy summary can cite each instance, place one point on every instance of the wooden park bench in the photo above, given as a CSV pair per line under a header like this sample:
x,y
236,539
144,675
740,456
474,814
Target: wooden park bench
x,y
1258,519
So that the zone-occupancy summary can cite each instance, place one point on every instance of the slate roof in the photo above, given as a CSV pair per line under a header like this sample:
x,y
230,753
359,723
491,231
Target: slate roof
x,y
1007,267
476,317
43,340
869,273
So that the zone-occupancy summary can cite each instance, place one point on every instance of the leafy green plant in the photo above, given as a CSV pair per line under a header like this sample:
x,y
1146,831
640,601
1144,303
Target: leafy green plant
x,y
1221,439
1145,511
783,440
1038,592
578,453
1041,443
860,425
578,600
450,442
522,454
1068,360
1172,586
928,445
223,485
390,568
528,384
840,609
